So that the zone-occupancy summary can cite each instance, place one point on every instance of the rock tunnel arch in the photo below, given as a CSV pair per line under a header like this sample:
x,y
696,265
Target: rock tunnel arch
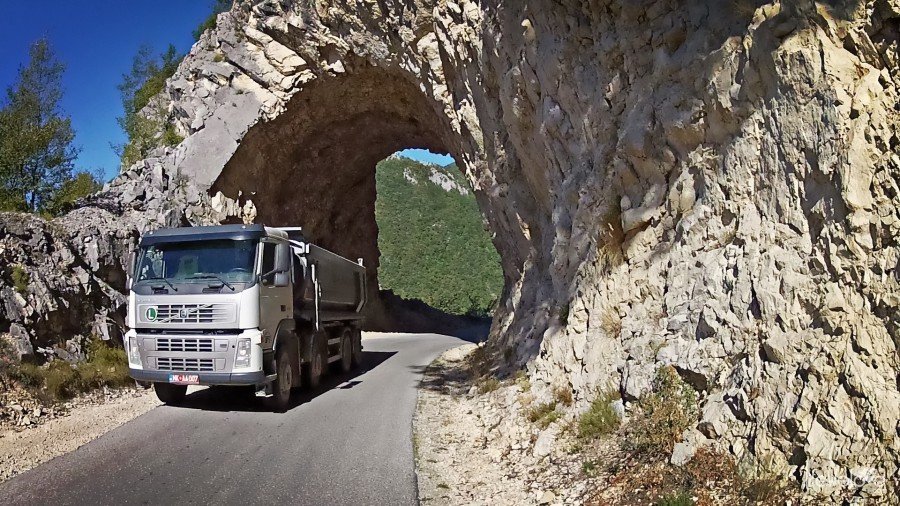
x,y
314,166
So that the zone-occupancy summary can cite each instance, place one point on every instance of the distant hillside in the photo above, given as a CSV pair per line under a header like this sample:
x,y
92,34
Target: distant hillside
x,y
433,242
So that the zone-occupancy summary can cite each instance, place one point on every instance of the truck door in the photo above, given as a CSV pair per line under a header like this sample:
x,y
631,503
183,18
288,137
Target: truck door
x,y
276,297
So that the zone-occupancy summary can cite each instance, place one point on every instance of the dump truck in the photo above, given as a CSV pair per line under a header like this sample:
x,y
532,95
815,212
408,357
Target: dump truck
x,y
249,306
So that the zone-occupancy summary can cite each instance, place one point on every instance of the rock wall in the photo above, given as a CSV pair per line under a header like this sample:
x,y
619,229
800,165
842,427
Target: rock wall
x,y
713,185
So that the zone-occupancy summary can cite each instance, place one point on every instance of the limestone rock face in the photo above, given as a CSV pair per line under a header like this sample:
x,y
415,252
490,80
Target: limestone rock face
x,y
711,185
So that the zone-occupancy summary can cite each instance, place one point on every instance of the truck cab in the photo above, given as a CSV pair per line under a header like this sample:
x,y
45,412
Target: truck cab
x,y
240,305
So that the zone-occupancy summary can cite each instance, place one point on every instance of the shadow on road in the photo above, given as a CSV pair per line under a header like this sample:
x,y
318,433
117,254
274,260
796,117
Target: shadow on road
x,y
243,399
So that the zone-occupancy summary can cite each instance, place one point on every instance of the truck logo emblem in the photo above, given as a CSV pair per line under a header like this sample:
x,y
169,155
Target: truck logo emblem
x,y
184,313
151,313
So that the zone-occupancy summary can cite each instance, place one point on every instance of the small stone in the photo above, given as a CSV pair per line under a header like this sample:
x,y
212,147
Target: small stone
x,y
547,497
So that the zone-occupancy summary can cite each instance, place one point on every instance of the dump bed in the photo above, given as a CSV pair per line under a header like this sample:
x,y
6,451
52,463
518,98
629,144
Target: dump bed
x,y
341,282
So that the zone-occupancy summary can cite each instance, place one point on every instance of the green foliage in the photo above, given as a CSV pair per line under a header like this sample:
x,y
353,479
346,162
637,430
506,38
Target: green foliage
x,y
663,414
219,6
78,186
543,414
488,384
433,242
20,279
676,499
146,124
600,419
59,380
36,139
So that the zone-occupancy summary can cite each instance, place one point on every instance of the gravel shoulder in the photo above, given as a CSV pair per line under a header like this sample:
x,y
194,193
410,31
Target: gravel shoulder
x,y
21,450
478,448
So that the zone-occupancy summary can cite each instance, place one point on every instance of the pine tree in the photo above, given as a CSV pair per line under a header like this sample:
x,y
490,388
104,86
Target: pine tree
x,y
36,138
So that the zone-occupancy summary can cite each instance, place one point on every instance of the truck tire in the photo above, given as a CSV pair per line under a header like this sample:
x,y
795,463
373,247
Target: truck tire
x,y
356,346
281,387
346,361
318,359
170,394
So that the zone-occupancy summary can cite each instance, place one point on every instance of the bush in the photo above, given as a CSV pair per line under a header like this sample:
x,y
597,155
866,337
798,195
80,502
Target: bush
x,y
677,499
61,380
600,419
20,279
563,395
488,384
106,366
663,415
543,414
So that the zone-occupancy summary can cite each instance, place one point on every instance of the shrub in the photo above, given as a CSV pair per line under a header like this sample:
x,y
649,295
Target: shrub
x,y
488,384
61,380
676,499
543,414
600,419
106,366
522,381
611,322
29,375
20,279
663,414
563,395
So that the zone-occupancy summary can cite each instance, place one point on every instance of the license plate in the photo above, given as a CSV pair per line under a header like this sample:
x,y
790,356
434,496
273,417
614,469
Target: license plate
x,y
184,379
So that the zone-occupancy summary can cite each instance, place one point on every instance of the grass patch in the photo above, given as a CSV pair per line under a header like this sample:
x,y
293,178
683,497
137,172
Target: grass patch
x,y
20,279
610,240
563,395
488,384
522,381
600,419
676,499
611,322
543,414
106,366
589,467
663,414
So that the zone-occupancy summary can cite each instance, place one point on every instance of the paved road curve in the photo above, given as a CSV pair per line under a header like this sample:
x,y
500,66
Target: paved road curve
x,y
348,443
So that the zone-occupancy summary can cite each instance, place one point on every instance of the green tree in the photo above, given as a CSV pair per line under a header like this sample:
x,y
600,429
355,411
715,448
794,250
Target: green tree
x,y
146,124
36,138
80,185
219,6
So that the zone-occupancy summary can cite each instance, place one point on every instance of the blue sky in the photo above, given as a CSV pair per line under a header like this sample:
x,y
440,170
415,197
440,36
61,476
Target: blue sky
x,y
97,40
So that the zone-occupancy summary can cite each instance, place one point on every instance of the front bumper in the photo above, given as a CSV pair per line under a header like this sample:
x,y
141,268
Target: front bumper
x,y
206,378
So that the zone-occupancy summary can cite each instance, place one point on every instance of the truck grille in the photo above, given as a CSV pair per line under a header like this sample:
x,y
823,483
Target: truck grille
x,y
194,313
183,344
185,364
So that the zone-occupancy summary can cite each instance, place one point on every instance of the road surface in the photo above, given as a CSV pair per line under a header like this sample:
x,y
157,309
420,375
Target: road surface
x,y
349,442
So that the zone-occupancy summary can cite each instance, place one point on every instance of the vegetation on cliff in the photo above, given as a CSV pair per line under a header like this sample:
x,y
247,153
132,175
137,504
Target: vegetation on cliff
x,y
432,238
37,142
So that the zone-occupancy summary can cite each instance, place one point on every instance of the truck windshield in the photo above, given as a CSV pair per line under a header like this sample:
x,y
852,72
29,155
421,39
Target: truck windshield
x,y
198,261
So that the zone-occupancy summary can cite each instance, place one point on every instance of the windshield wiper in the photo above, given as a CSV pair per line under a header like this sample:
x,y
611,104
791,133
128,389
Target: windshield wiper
x,y
205,275
164,280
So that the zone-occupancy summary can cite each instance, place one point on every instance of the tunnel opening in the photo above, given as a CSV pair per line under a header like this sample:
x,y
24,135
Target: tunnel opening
x,y
315,166
433,240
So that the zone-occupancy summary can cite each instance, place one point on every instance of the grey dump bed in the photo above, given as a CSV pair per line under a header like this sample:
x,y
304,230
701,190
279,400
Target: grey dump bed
x,y
341,282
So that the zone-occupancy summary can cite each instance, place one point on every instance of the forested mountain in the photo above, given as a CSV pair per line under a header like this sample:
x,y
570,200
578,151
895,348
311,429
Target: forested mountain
x,y
432,237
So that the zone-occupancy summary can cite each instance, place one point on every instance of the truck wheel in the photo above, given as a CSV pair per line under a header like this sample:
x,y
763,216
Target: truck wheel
x,y
281,387
356,346
346,350
317,360
169,393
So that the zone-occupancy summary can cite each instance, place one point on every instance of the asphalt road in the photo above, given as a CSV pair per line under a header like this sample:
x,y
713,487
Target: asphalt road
x,y
350,442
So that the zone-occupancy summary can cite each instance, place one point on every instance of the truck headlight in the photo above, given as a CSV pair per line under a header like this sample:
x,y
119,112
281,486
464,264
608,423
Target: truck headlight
x,y
242,358
134,356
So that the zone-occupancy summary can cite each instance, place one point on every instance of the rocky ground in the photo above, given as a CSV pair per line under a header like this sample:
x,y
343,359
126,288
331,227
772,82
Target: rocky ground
x,y
476,443
32,433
